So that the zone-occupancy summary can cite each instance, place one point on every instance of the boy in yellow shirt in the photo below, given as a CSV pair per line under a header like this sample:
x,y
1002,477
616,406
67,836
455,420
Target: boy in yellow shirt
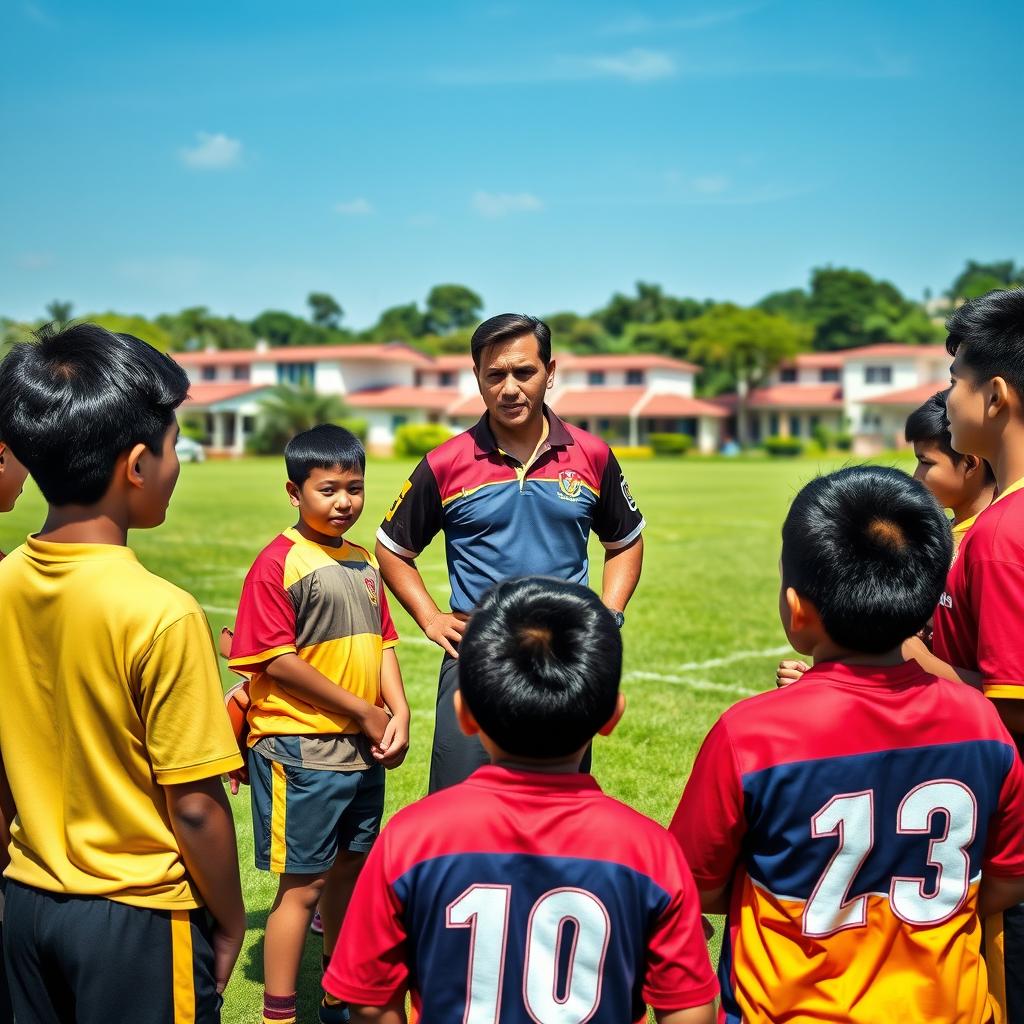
x,y
113,734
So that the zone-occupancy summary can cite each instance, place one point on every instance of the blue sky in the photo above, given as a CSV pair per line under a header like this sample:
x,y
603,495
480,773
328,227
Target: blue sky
x,y
239,155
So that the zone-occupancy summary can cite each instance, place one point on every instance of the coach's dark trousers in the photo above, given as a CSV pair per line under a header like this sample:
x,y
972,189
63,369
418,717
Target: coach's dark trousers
x,y
455,755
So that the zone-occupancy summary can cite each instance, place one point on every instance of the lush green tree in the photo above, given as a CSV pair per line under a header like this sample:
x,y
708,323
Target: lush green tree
x,y
197,328
290,409
324,309
743,346
59,311
588,335
280,329
648,306
793,302
399,323
977,278
451,306
147,330
665,337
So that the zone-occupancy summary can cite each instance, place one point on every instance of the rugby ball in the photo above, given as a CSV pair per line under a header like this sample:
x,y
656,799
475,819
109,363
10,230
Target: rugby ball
x,y
236,700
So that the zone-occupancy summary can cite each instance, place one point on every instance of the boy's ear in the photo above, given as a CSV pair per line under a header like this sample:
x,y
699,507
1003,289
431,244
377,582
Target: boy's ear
x,y
972,463
801,612
294,493
620,709
133,465
467,723
998,396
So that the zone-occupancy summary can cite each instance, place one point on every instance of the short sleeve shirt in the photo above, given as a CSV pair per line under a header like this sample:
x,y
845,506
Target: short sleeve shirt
x,y
502,520
110,691
558,903
328,606
977,625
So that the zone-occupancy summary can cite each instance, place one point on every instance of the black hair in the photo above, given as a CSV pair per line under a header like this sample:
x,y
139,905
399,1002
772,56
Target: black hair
x,y
991,329
76,397
929,424
870,548
507,326
539,666
323,447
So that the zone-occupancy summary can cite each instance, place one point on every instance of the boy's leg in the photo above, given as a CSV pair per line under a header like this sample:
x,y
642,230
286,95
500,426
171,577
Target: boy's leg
x,y
92,961
287,925
338,886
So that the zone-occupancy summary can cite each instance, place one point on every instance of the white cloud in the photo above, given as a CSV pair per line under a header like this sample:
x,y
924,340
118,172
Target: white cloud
x,y
710,184
499,204
35,260
212,152
635,65
358,207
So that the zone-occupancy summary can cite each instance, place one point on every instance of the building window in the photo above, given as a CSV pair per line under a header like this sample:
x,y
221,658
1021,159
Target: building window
x,y
878,375
398,420
795,425
595,377
773,425
240,372
248,425
418,379
634,377
296,373
787,375
830,375
447,379
209,373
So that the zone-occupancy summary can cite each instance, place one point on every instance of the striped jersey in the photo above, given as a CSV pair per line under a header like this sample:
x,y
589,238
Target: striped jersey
x,y
852,813
328,606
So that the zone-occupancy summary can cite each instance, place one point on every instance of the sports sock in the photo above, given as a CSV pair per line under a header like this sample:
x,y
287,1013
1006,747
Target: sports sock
x,y
279,1009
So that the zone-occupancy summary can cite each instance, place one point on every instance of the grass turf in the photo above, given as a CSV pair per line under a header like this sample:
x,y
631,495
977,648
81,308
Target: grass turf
x,y
702,631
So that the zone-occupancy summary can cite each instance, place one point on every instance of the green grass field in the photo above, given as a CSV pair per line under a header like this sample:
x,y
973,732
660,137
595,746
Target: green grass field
x,y
701,633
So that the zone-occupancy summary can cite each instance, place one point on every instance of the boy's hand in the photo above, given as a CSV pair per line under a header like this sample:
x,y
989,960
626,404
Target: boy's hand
x,y
224,642
374,723
446,630
392,749
237,779
789,672
227,944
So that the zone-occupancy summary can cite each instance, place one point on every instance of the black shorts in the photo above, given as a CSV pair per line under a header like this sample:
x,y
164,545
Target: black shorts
x,y
455,756
89,960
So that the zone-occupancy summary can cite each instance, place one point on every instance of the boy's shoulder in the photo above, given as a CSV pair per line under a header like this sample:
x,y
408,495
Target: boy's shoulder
x,y
998,532
269,565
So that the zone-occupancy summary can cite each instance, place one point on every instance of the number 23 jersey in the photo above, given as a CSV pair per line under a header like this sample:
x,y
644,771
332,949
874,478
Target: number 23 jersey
x,y
520,896
853,813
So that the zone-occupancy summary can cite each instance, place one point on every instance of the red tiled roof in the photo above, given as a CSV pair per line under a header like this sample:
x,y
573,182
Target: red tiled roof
x,y
598,401
796,396
680,406
434,399
391,353
624,361
912,397
889,350
817,361
211,392
451,362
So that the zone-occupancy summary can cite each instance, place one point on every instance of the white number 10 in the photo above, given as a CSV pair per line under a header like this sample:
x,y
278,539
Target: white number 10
x,y
850,816
484,909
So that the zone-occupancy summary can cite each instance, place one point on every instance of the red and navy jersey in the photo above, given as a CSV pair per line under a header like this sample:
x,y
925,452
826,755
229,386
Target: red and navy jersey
x,y
502,519
520,896
978,621
853,813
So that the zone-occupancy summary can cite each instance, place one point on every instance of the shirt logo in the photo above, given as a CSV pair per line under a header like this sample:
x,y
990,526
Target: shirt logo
x,y
625,493
570,483
371,589
946,601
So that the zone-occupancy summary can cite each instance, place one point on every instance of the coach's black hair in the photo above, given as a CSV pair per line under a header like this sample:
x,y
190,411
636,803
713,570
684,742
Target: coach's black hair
x,y
870,548
507,326
323,447
539,666
991,331
76,397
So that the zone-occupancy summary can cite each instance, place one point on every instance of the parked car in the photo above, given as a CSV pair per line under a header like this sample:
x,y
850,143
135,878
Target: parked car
x,y
189,450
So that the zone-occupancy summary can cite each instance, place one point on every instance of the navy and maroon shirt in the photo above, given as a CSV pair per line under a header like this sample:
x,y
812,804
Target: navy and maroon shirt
x,y
501,520
521,896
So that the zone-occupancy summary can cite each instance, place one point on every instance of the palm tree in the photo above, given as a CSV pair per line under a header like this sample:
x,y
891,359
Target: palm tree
x,y
288,410
58,311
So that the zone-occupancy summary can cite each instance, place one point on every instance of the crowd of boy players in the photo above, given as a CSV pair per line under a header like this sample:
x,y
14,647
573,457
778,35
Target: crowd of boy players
x,y
857,825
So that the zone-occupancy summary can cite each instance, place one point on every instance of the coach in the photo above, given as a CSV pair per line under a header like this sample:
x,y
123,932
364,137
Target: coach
x,y
517,494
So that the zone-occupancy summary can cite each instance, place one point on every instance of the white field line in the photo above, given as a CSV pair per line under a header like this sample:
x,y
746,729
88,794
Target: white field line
x,y
690,683
729,659
219,609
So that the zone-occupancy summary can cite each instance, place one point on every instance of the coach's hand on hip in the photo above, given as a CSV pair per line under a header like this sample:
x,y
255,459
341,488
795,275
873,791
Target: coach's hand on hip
x,y
446,629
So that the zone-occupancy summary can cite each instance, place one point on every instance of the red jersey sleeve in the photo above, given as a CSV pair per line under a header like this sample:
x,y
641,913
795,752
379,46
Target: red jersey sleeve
x,y
996,592
388,633
369,966
1004,847
709,823
265,626
679,974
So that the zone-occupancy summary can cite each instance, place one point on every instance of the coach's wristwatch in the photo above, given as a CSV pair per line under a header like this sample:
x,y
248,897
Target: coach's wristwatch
x,y
619,618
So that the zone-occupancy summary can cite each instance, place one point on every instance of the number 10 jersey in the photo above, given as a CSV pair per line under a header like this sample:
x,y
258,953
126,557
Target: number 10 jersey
x,y
853,813
524,897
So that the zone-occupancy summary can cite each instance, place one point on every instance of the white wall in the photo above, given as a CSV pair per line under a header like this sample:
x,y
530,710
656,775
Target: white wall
x,y
672,382
907,372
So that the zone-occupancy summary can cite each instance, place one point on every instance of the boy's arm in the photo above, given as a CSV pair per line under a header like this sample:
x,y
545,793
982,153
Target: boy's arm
x,y
7,813
393,1013
301,680
695,1015
205,831
915,649
395,744
999,894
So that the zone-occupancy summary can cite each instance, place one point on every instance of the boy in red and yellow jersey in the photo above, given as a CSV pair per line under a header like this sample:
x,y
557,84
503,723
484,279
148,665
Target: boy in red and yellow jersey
x,y
328,711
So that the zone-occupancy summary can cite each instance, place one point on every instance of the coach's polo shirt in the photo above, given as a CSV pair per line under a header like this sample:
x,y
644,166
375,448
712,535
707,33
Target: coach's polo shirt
x,y
328,606
502,519
110,691
979,623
